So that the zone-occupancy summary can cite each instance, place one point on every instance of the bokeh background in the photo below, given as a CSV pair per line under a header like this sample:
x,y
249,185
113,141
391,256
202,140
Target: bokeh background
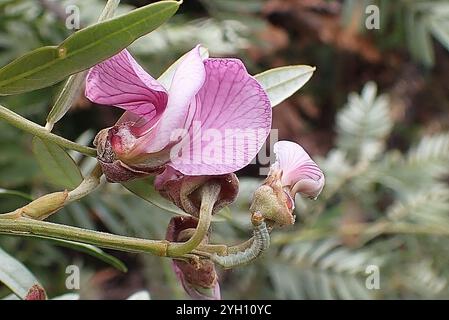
x,y
374,116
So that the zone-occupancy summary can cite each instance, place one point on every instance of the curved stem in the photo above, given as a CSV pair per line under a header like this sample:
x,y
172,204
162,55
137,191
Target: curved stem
x,y
222,249
261,242
241,246
39,131
88,185
209,195
29,227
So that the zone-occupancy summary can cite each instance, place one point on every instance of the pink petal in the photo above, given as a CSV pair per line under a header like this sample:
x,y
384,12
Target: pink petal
x,y
232,124
120,81
181,107
197,293
169,174
300,172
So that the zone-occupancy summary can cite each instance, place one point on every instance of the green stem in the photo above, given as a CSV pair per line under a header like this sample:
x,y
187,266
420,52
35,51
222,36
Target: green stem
x,y
209,195
39,131
29,227
88,185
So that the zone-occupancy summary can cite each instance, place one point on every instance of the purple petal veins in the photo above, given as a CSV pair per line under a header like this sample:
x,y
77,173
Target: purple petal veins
x,y
212,120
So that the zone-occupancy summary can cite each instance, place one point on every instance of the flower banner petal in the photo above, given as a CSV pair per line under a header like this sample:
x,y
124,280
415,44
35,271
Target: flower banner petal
x,y
232,125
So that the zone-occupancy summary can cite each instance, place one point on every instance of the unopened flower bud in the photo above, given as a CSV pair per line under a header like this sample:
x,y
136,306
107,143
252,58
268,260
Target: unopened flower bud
x,y
44,206
112,144
273,202
36,292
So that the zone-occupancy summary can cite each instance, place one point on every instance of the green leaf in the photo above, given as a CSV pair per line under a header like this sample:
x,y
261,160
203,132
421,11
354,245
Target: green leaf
x,y
66,97
15,275
48,65
364,123
440,30
281,83
110,221
424,40
74,83
166,78
15,193
90,250
144,188
56,164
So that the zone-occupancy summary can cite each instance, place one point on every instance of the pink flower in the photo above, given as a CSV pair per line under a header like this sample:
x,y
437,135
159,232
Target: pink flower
x,y
212,120
293,172
299,172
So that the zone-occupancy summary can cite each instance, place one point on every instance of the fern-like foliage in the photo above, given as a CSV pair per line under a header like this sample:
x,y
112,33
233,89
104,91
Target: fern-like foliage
x,y
323,269
363,123
432,152
401,198
423,279
416,22
424,20
428,207
420,169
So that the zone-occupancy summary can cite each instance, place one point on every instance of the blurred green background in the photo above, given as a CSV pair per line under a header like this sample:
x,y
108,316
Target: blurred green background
x,y
374,116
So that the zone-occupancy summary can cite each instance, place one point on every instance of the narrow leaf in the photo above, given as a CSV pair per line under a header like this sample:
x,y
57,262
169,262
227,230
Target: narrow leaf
x,y
56,164
74,83
82,247
67,96
15,275
92,251
15,193
280,83
440,30
423,41
48,65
